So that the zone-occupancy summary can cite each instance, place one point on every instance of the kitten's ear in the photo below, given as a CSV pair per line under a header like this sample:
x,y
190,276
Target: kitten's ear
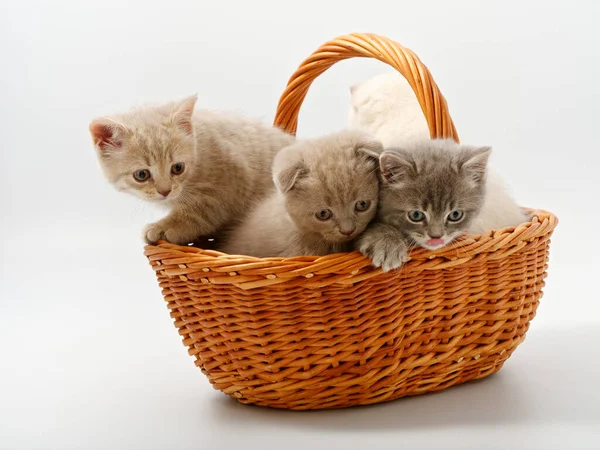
x,y
396,167
108,135
182,114
474,163
369,147
287,177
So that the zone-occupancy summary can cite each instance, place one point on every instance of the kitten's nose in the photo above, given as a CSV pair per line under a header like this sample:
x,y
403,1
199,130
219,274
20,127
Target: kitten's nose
x,y
348,232
435,235
165,193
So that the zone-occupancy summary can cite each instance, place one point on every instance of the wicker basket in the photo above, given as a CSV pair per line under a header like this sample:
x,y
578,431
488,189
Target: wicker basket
x,y
329,332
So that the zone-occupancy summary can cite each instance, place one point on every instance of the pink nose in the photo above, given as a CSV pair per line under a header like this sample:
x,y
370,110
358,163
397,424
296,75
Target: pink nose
x,y
164,193
433,242
348,232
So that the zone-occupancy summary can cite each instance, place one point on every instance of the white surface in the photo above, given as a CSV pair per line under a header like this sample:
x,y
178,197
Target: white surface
x,y
89,357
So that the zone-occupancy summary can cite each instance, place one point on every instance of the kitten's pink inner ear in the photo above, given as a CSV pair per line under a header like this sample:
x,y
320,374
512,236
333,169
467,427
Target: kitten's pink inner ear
x,y
104,135
183,113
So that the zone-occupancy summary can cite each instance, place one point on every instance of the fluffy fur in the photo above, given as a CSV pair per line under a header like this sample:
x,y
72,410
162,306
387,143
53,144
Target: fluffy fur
x,y
327,192
431,193
206,167
386,107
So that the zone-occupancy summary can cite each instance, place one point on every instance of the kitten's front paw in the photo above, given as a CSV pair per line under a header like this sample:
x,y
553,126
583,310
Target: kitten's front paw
x,y
153,233
166,230
386,253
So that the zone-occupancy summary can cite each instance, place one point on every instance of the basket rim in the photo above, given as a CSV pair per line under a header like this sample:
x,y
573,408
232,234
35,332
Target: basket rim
x,y
353,266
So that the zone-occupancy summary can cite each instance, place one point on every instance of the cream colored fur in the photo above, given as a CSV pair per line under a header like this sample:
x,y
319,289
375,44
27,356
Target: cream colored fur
x,y
334,173
226,158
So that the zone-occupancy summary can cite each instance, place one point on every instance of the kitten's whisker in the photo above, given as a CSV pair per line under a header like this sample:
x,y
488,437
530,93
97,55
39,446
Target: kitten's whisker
x,y
454,247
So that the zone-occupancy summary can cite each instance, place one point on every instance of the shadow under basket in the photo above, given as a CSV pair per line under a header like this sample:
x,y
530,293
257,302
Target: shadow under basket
x,y
332,331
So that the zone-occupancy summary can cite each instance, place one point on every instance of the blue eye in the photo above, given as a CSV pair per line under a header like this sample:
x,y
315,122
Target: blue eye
x,y
455,216
416,216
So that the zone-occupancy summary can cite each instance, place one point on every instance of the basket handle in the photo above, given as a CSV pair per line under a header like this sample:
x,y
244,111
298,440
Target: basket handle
x,y
383,49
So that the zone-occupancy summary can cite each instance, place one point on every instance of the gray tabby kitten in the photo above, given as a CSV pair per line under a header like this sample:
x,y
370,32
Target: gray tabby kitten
x,y
431,193
206,167
327,192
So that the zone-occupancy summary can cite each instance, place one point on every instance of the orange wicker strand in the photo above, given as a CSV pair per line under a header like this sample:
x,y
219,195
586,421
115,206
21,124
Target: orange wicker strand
x,y
360,45
331,331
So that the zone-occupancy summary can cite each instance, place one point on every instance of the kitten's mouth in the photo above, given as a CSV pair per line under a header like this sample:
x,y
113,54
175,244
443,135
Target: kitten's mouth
x,y
350,237
341,239
436,243
433,243
431,247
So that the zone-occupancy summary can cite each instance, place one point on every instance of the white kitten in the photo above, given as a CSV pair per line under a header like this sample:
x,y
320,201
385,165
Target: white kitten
x,y
386,107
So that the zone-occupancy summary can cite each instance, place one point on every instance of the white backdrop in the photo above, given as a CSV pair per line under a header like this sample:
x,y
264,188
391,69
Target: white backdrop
x,y
89,357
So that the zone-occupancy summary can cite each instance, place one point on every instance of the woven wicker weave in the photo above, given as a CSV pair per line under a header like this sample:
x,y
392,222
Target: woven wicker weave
x,y
328,332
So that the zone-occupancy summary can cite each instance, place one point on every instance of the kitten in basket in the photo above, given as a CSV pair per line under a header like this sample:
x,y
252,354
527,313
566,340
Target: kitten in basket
x,y
432,192
425,209
327,192
206,167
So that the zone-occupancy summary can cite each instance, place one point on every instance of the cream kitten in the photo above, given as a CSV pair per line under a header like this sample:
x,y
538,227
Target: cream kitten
x,y
206,167
431,193
386,107
327,192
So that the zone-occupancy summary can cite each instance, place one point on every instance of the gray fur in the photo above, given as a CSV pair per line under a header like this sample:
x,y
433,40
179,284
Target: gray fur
x,y
435,177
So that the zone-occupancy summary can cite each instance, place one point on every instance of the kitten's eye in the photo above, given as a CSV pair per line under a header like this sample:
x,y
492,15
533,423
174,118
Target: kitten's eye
x,y
141,175
177,168
416,216
325,214
455,216
362,205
